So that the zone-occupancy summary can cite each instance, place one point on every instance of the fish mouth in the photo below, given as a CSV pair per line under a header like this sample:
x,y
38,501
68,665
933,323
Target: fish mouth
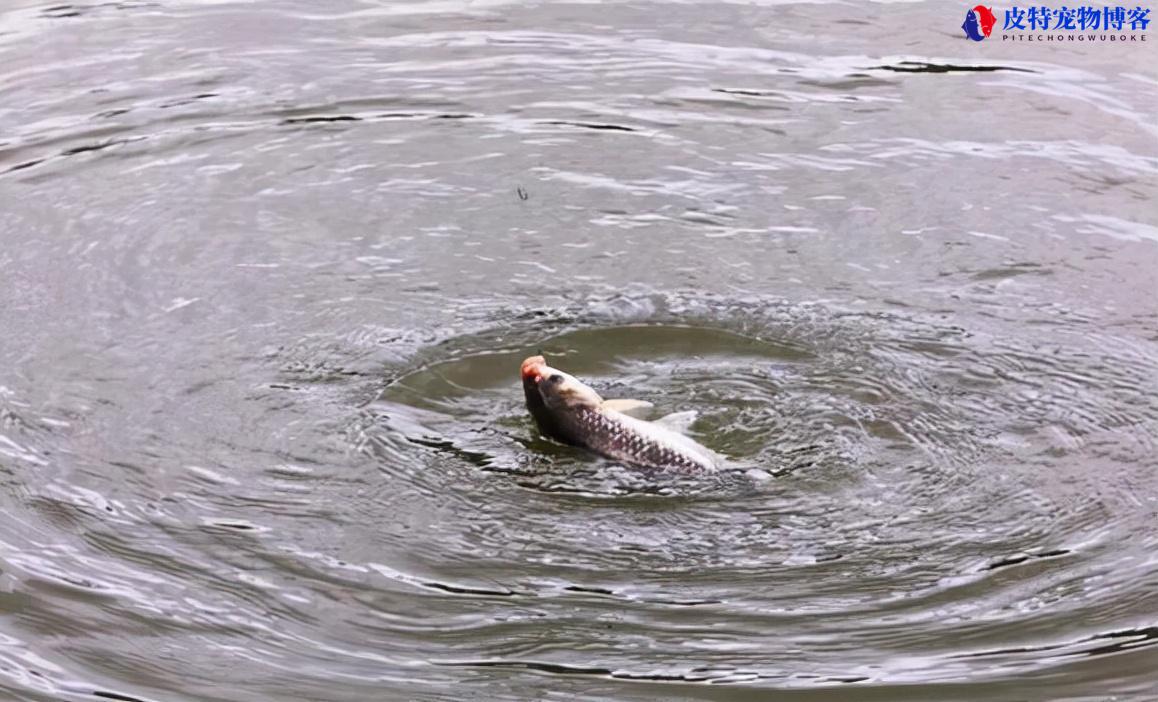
x,y
534,368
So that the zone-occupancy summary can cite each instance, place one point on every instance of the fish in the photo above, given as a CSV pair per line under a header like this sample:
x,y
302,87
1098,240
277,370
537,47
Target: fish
x,y
985,18
568,411
972,26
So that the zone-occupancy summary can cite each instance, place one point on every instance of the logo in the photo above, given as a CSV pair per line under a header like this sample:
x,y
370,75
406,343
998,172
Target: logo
x,y
1083,23
979,23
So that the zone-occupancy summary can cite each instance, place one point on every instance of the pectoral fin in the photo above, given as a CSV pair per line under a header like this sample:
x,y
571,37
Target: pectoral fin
x,y
677,421
636,408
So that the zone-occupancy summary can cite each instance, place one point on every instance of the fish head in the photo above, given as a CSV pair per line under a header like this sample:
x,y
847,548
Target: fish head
x,y
554,390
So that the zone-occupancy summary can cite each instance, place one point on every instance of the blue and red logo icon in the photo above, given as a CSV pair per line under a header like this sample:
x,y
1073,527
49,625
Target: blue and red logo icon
x,y
979,23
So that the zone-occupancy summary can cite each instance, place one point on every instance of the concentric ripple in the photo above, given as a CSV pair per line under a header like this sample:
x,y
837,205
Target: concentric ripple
x,y
930,512
270,269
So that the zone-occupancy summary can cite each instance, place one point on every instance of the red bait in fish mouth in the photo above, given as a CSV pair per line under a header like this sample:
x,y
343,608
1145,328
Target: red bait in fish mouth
x,y
568,411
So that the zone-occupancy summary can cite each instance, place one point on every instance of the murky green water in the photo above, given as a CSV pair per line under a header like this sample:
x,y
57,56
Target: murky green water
x,y
269,269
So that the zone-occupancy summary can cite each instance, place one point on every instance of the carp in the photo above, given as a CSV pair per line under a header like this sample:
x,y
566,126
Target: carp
x,y
567,410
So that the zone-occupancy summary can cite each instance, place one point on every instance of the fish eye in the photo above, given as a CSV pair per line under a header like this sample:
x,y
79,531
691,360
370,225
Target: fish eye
x,y
555,378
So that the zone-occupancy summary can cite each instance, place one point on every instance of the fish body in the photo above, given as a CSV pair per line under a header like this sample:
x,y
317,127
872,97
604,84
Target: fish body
x,y
568,411
972,26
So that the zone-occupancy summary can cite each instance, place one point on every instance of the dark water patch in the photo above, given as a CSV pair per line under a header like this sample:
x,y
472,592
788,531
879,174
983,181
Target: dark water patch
x,y
747,92
1091,646
60,12
25,165
321,119
554,668
478,458
99,146
474,591
591,125
374,117
108,114
1125,640
925,67
1011,270
591,590
181,102
680,603
694,675
72,11
1023,557
236,525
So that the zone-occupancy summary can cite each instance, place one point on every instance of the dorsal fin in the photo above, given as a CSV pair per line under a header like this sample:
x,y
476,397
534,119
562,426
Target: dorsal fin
x,y
635,408
677,421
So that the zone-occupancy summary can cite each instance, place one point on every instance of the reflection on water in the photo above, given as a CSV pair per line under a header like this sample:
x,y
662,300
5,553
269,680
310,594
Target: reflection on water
x,y
271,269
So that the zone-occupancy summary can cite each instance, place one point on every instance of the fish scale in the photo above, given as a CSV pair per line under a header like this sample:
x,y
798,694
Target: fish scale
x,y
616,438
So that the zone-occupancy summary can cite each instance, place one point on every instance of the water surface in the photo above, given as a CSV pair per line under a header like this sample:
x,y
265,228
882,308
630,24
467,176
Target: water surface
x,y
270,269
